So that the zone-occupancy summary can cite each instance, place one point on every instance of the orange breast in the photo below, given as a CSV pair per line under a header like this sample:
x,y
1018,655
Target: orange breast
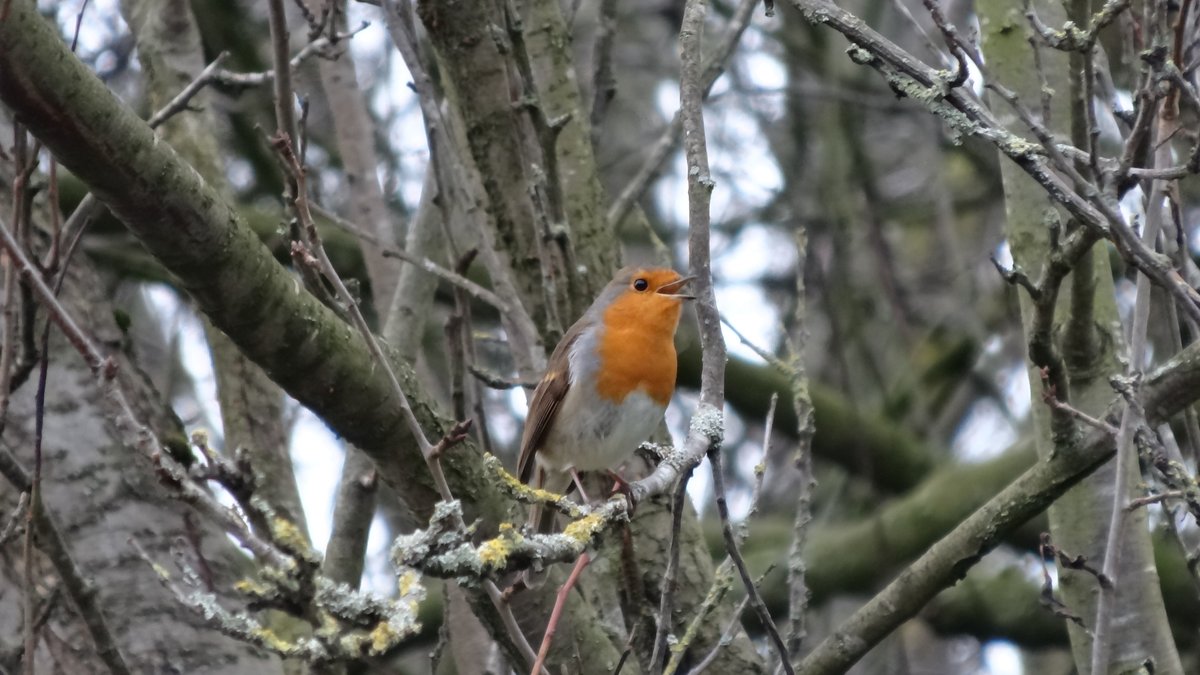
x,y
637,348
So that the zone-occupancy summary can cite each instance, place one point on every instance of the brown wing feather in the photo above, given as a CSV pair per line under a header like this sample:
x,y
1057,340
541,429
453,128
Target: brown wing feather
x,y
546,400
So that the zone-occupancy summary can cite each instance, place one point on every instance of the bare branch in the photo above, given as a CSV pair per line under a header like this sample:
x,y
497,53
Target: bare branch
x,y
666,142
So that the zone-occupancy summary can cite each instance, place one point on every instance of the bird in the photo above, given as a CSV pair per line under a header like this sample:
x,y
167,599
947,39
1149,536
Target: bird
x,y
606,386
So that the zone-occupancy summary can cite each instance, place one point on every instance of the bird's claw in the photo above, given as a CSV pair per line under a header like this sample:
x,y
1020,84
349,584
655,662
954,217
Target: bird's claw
x,y
622,486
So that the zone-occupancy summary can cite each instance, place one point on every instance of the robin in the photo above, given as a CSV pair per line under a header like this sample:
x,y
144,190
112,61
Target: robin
x,y
607,384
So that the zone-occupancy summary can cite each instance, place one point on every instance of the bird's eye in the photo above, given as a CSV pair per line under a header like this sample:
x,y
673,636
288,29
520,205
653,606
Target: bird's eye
x,y
641,285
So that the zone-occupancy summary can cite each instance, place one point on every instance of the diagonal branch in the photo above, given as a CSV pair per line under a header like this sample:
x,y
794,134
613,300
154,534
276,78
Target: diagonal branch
x,y
1165,393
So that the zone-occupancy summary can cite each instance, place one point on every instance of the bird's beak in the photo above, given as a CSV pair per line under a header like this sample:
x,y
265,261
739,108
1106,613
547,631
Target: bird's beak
x,y
671,289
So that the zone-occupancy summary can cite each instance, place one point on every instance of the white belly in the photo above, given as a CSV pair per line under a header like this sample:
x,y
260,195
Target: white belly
x,y
602,434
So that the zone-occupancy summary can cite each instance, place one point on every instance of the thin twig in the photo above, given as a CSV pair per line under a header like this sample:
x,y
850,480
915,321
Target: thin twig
x,y
81,593
604,84
692,90
726,637
494,381
722,584
731,547
759,351
478,292
285,105
1156,498
232,80
706,429
429,451
458,189
35,498
1131,419
662,147
666,601
14,519
805,479
759,473
560,601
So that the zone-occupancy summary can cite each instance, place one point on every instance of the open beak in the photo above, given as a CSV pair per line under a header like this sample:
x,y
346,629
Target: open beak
x,y
672,289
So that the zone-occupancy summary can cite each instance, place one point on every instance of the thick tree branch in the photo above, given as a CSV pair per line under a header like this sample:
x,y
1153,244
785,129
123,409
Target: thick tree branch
x,y
234,279
949,559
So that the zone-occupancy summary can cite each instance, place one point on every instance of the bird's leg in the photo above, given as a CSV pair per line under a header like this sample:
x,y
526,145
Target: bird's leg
x,y
583,495
620,485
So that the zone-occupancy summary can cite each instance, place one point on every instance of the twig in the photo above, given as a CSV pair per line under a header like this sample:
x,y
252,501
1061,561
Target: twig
x,y
759,351
8,342
285,105
604,84
731,547
726,636
1131,419
806,480
1050,399
560,601
429,451
376,626
14,519
666,141
706,429
35,498
232,80
184,97
1156,498
495,381
1046,597
667,599
457,189
722,584
1070,37
478,292
102,367
760,469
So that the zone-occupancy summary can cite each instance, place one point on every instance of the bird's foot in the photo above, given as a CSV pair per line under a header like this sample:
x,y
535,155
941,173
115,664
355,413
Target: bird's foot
x,y
621,486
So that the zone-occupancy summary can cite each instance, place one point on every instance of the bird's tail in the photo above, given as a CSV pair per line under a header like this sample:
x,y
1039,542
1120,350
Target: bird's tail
x,y
541,518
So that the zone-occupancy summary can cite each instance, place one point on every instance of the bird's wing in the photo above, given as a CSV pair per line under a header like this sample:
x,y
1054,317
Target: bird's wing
x,y
546,400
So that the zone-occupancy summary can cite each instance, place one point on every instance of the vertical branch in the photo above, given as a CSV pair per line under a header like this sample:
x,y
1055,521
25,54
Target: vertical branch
x,y
604,84
285,110
460,194
731,546
354,132
1131,419
1079,343
82,594
700,187
35,501
666,600
802,401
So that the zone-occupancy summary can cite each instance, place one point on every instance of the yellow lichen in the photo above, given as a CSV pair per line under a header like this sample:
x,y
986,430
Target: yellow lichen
x,y
497,468
383,638
408,582
329,625
271,640
288,534
160,571
200,438
493,552
585,528
250,587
